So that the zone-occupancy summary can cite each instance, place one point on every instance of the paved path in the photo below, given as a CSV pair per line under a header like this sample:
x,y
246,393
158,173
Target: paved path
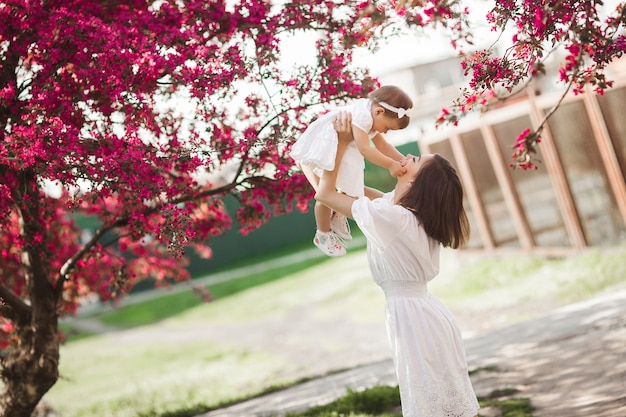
x,y
570,363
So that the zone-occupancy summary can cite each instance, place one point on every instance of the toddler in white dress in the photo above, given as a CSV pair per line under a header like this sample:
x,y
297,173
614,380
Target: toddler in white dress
x,y
386,108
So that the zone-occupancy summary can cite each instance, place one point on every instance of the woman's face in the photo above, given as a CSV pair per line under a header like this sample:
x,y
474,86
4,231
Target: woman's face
x,y
413,164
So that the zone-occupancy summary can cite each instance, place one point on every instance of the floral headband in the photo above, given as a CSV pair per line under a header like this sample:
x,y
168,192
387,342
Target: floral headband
x,y
400,111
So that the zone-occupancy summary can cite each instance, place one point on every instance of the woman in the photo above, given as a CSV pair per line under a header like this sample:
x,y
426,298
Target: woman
x,y
405,229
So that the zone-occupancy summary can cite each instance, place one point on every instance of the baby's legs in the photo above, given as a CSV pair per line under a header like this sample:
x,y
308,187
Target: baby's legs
x,y
324,238
322,217
322,213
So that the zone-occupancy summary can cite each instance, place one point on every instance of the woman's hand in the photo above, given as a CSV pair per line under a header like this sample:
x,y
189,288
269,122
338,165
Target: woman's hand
x,y
343,126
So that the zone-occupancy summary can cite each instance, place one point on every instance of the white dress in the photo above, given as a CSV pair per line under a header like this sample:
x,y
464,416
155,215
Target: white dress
x,y
317,147
425,340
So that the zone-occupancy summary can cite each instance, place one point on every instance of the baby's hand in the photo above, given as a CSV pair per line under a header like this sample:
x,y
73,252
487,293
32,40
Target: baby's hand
x,y
397,169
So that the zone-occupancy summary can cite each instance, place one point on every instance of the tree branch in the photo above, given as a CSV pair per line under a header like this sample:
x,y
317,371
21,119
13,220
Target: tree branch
x,y
567,90
12,307
69,265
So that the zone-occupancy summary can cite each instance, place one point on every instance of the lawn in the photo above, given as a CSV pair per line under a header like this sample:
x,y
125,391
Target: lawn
x,y
186,359
179,361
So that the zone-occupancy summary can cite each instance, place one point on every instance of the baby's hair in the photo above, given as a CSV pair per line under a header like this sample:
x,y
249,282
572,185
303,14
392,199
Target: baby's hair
x,y
436,198
394,96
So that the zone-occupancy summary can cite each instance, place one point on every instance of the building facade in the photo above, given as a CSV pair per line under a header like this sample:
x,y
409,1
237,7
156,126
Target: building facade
x,y
576,198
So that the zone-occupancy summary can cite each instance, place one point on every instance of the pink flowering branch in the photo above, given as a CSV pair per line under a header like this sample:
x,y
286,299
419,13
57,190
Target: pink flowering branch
x,y
527,141
572,26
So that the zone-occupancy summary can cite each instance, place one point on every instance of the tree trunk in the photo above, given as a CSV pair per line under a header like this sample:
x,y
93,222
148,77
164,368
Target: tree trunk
x,y
31,368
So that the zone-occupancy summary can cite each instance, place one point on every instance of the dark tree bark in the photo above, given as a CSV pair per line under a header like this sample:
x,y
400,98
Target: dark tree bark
x,y
31,368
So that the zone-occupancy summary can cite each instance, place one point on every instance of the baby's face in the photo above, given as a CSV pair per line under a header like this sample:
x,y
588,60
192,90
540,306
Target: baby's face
x,y
383,123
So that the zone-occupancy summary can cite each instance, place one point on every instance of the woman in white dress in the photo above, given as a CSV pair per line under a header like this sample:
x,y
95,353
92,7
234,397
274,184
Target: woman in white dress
x,y
405,229
386,108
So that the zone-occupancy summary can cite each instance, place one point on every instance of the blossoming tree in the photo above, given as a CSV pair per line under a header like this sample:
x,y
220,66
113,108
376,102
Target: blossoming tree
x,y
125,111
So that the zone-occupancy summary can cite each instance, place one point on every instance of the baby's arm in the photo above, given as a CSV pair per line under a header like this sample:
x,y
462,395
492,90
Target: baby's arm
x,y
375,156
387,148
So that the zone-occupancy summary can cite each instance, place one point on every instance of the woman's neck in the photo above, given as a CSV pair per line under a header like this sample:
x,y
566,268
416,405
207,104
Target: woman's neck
x,y
397,194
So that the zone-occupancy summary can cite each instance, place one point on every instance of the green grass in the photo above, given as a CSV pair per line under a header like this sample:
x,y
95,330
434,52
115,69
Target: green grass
x,y
168,305
568,280
73,334
377,401
177,363
157,309
109,376
162,374
509,280
591,273
514,407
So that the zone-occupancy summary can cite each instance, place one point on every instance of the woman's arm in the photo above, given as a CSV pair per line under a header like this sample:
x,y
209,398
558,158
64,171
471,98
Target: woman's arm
x,y
327,195
341,203
327,192
372,193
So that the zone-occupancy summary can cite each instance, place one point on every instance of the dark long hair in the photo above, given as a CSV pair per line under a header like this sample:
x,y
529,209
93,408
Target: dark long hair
x,y
436,198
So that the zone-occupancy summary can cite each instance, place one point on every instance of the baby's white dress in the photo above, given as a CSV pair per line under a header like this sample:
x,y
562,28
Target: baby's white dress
x,y
426,343
317,147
